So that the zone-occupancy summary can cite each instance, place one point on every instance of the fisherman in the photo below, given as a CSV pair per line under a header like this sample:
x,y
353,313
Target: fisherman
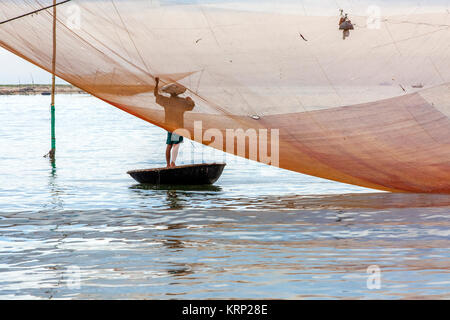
x,y
174,107
342,17
345,25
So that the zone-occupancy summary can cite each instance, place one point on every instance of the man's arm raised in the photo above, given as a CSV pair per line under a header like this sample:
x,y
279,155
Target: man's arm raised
x,y
156,87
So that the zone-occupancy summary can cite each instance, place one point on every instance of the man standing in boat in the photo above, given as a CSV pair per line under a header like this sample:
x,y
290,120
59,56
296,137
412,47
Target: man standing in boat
x,y
174,108
345,25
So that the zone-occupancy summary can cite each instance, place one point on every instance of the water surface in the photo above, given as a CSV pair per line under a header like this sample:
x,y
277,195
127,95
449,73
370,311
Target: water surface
x,y
86,230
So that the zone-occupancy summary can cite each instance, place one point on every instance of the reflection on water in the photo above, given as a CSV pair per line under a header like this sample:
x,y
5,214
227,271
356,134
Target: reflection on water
x,y
310,253
347,201
55,192
169,187
202,197
258,233
177,197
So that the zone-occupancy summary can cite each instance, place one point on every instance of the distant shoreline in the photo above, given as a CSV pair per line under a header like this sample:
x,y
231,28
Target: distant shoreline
x,y
37,89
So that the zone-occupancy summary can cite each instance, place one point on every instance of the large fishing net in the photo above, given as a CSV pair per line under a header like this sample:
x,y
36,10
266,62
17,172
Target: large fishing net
x,y
366,105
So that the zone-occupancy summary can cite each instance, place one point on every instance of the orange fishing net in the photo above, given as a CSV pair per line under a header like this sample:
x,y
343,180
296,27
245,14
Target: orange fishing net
x,y
371,110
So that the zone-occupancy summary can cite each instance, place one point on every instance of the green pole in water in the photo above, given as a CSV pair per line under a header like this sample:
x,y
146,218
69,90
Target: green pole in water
x,y
52,106
53,129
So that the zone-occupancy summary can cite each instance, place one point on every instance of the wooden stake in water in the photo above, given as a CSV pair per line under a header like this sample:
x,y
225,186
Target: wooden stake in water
x,y
52,106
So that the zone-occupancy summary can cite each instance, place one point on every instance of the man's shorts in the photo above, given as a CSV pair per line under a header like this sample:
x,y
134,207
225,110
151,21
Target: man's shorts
x,y
173,138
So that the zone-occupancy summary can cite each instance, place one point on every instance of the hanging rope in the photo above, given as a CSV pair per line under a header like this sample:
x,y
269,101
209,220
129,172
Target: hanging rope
x,y
52,106
35,11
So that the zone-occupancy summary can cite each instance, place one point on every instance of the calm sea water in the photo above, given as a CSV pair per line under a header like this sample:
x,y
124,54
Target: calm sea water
x,y
86,230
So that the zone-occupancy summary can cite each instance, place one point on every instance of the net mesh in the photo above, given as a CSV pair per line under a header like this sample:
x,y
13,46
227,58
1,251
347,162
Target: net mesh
x,y
370,108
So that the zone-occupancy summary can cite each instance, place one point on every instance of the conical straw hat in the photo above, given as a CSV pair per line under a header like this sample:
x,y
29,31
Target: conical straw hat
x,y
173,88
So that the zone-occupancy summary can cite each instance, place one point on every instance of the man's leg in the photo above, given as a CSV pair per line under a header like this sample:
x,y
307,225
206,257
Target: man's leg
x,y
168,148
174,154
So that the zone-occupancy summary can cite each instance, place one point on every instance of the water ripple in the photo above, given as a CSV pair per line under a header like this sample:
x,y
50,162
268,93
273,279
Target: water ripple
x,y
87,230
